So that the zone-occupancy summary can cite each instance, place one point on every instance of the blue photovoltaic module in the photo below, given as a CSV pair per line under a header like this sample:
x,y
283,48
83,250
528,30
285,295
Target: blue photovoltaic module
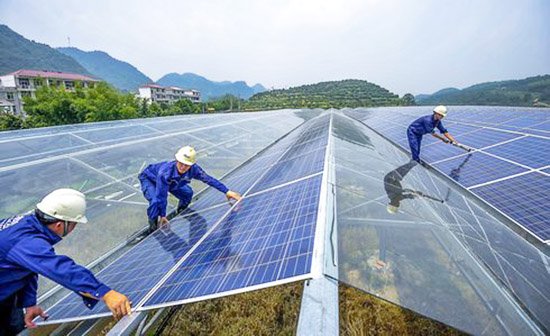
x,y
524,198
476,168
268,238
529,151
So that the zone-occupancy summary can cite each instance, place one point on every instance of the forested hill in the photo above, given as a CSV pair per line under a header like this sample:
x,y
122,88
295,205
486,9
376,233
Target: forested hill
x,y
16,52
337,94
121,75
532,91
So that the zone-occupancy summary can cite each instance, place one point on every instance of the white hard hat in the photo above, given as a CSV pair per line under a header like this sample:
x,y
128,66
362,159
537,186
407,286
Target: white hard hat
x,y
441,110
186,155
65,204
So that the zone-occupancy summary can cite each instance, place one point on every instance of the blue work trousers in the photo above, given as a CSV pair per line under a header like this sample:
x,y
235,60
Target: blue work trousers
x,y
184,194
414,143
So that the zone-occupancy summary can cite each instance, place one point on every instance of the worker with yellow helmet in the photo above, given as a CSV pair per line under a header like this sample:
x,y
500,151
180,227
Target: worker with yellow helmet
x,y
427,124
174,176
26,250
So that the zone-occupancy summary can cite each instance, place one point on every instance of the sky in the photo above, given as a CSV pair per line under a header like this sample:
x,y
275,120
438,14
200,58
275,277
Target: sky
x,y
418,46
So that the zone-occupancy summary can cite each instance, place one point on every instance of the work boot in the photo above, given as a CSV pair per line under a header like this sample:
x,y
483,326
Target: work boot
x,y
182,207
153,225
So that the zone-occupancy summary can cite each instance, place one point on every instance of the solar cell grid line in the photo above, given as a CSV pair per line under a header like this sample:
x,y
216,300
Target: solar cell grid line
x,y
484,137
477,168
270,238
540,134
292,169
438,151
137,271
523,198
530,151
544,126
523,121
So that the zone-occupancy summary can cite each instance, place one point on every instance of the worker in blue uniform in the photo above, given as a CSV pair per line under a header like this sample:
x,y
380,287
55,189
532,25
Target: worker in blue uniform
x,y
26,250
427,124
174,176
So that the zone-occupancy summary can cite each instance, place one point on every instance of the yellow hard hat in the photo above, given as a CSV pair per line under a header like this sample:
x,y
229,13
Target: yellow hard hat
x,y
65,204
391,209
441,110
186,155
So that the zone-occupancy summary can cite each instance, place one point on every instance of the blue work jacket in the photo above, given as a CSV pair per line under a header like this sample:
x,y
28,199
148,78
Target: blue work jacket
x,y
26,250
166,178
425,125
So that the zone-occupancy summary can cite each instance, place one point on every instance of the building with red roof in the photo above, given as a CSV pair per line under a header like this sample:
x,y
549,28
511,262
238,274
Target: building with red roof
x,y
23,83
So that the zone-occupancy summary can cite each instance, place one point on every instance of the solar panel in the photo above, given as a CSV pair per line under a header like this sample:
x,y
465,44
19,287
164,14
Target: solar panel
x,y
458,129
485,137
139,270
523,121
476,168
292,169
545,126
523,198
270,238
530,151
127,132
24,150
438,151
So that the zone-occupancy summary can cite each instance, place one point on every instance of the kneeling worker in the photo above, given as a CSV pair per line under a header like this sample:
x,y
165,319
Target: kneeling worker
x,y
174,176
425,125
26,250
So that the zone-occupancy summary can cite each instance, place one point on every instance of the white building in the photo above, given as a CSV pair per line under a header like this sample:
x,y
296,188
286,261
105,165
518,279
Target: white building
x,y
16,85
158,94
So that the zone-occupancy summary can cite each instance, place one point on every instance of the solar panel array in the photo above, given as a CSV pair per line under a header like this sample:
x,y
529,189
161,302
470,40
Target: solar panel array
x,y
512,148
216,250
103,160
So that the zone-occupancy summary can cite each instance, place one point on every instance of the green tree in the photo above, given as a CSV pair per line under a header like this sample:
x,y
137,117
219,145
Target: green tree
x,y
10,122
408,100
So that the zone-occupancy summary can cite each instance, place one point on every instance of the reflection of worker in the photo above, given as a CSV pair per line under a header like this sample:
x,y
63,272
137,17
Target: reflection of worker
x,y
425,125
176,245
394,189
26,250
455,173
174,176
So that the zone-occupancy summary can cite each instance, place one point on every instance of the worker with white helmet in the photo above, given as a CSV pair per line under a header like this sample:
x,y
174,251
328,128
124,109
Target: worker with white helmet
x,y
427,124
174,176
26,250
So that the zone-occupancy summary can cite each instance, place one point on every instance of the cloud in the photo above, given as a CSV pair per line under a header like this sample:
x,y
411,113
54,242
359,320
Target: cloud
x,y
405,46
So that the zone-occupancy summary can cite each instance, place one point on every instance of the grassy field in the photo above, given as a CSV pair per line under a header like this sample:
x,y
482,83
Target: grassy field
x,y
275,311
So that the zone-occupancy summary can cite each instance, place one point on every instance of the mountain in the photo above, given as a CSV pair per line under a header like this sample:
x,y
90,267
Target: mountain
x,y
121,75
337,94
258,88
209,89
532,91
16,52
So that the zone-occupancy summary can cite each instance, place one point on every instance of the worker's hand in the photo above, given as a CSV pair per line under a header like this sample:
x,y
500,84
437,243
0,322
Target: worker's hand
x,y
163,222
117,303
31,313
233,195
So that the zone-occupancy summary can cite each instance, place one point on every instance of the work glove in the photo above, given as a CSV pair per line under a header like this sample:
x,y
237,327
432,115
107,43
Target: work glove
x,y
117,303
163,221
31,313
231,194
